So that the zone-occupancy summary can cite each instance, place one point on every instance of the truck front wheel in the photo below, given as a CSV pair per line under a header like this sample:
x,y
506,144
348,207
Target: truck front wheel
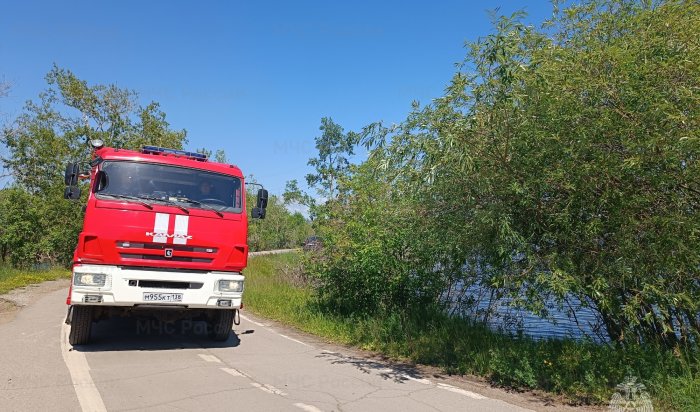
x,y
80,326
221,325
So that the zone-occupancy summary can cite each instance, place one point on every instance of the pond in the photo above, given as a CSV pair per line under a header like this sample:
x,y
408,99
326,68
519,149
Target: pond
x,y
573,320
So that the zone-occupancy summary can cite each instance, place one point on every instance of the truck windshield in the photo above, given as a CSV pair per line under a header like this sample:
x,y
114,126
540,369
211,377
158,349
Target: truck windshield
x,y
152,182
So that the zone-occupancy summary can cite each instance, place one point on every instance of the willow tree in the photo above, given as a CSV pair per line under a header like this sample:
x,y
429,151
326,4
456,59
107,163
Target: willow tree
x,y
561,165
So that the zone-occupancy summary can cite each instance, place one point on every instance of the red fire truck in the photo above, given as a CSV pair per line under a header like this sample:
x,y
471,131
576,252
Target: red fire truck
x,y
164,234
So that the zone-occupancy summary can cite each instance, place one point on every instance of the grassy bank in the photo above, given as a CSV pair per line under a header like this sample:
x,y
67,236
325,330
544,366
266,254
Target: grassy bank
x,y
582,372
11,278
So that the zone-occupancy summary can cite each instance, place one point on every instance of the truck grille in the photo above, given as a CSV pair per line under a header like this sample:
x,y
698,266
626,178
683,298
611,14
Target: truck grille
x,y
161,257
162,284
122,244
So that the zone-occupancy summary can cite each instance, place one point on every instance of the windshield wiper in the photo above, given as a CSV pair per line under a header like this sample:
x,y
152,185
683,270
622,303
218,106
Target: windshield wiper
x,y
200,204
128,197
166,201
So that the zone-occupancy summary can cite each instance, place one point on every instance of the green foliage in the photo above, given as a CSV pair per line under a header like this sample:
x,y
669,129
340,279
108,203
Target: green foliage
x,y
685,395
219,156
38,225
12,278
54,131
334,146
270,290
281,229
560,165
294,195
37,228
369,260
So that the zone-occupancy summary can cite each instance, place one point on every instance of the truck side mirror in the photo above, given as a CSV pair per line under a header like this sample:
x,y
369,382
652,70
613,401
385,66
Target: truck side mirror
x,y
71,193
259,210
258,213
71,174
262,199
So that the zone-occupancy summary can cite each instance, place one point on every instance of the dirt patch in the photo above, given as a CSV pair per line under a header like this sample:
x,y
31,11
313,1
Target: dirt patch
x,y
7,311
13,301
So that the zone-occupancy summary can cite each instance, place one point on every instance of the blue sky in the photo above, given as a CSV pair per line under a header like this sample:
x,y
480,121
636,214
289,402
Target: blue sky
x,y
252,78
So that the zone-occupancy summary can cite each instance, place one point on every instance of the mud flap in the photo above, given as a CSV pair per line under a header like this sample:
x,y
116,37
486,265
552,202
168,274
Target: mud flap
x,y
68,315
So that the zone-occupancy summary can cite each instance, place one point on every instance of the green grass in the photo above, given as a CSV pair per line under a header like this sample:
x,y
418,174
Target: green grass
x,y
11,278
579,372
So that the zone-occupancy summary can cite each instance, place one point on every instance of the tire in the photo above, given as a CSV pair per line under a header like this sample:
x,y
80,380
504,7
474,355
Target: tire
x,y
221,325
81,324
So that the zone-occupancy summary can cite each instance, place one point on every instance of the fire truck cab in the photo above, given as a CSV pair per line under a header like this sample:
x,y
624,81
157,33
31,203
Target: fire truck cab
x,y
164,235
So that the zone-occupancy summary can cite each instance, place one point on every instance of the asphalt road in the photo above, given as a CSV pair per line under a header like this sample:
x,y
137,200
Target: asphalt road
x,y
136,365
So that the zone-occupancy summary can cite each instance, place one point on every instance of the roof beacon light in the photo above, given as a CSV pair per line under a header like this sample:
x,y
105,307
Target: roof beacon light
x,y
97,143
166,151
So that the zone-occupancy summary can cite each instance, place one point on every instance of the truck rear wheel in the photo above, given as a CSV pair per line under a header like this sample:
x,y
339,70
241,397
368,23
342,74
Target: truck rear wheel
x,y
80,326
221,325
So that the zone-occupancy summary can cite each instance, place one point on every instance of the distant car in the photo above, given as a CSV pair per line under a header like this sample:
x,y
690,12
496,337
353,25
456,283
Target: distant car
x,y
312,243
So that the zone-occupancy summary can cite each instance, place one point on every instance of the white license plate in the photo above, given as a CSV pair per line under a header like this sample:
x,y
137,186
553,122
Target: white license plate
x,y
162,297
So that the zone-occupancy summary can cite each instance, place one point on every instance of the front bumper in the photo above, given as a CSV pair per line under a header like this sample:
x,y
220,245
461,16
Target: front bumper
x,y
126,286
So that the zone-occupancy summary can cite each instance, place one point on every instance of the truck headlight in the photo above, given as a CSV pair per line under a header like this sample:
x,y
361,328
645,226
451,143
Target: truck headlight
x,y
89,279
230,286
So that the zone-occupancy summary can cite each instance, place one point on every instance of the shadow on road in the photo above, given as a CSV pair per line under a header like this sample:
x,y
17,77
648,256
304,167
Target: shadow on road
x,y
398,373
129,334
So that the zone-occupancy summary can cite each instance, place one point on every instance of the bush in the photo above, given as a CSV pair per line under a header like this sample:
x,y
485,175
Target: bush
x,y
559,165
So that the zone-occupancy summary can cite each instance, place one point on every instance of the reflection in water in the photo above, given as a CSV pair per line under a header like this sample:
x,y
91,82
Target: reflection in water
x,y
568,320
